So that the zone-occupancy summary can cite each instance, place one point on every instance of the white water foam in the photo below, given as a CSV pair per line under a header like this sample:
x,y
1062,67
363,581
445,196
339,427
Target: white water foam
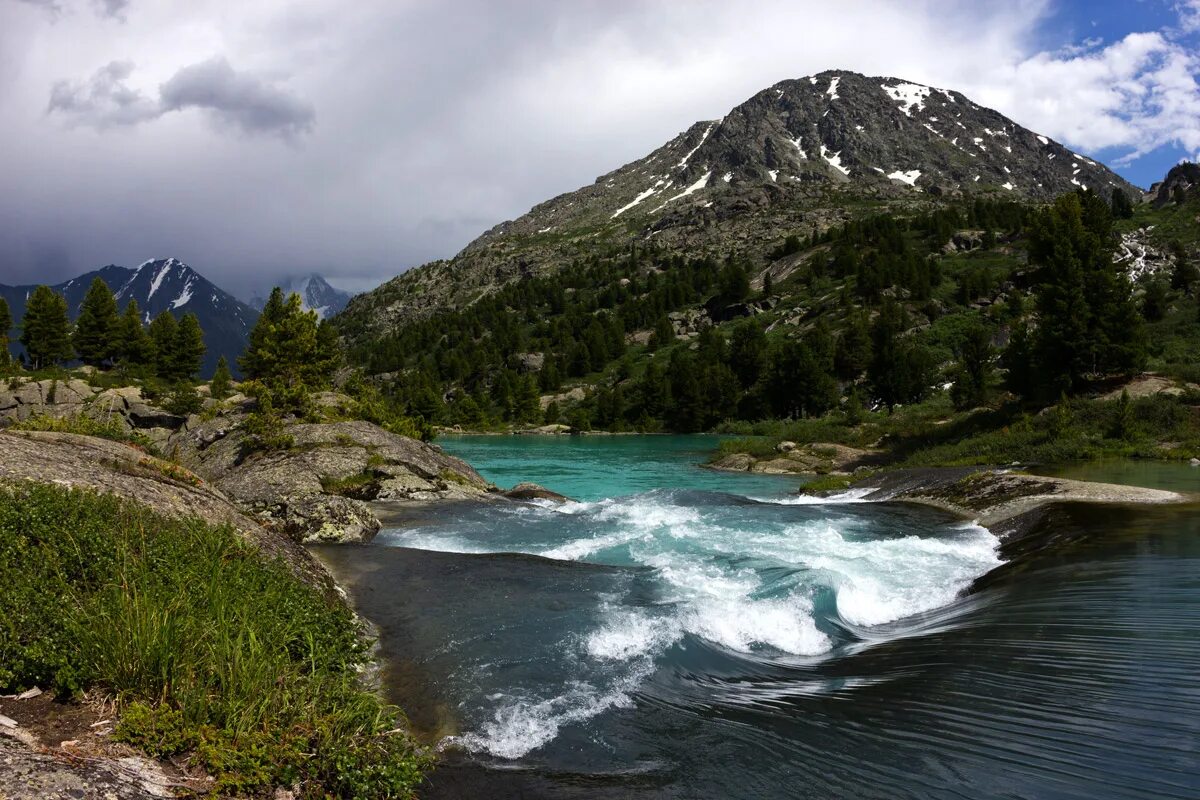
x,y
736,576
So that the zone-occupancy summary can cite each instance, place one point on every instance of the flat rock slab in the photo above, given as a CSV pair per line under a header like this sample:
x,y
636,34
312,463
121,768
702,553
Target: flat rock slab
x,y
994,496
26,774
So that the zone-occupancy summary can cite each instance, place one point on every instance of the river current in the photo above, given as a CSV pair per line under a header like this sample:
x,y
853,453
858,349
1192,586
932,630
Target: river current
x,y
676,632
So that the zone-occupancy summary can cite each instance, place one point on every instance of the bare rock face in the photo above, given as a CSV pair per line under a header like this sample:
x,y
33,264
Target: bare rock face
x,y
29,775
51,397
318,490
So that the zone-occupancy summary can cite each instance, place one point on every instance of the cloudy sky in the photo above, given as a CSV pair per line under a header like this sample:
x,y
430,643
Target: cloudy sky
x,y
260,139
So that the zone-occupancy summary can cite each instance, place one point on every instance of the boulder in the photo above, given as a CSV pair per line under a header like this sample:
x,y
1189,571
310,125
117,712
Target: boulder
x,y
734,462
532,491
785,447
531,362
328,518
143,415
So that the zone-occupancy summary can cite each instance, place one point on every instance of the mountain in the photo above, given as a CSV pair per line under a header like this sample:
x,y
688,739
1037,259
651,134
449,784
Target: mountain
x,y
800,156
1183,177
162,285
315,293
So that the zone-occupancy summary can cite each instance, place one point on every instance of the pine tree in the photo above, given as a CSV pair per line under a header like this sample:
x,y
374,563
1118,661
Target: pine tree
x,y
221,381
972,376
96,336
852,354
164,333
5,327
664,334
289,349
135,348
188,351
46,331
526,400
748,352
1122,206
900,370
1087,320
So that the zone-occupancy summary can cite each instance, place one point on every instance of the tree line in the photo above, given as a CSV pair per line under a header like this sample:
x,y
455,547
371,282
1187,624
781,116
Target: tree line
x,y
103,336
879,327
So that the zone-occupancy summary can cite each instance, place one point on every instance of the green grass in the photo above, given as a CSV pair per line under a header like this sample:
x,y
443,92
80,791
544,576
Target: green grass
x,y
214,654
932,434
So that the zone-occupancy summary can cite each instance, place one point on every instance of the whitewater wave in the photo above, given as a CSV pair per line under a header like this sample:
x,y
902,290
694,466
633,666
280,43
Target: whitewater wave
x,y
752,579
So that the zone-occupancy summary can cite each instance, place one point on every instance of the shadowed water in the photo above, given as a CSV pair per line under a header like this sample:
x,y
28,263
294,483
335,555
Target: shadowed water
x,y
690,643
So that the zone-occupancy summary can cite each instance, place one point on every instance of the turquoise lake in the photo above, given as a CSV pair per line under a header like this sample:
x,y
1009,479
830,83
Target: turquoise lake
x,y
596,467
676,632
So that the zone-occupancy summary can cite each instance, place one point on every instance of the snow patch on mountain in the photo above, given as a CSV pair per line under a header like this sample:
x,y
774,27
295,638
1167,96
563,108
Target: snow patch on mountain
x,y
908,95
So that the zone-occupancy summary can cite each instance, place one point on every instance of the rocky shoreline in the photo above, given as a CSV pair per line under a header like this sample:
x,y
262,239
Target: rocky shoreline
x,y
1007,502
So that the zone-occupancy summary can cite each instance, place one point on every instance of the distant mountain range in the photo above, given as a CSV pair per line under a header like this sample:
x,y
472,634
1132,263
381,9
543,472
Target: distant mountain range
x,y
315,293
799,156
160,285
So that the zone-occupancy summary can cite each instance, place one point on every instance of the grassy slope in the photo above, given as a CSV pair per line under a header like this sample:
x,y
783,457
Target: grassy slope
x,y
213,653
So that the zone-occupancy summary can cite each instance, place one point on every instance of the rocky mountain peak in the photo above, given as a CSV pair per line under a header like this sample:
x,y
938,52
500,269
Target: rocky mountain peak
x,y
315,295
799,156
1185,175
837,129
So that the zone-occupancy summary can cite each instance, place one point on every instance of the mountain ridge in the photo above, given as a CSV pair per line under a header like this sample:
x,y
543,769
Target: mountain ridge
x,y
165,284
799,156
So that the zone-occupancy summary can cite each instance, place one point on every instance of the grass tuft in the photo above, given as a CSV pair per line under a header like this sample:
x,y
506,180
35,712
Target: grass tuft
x,y
213,653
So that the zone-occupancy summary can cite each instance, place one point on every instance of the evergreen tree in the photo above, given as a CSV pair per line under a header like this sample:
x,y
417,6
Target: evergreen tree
x,y
768,285
972,376
135,348
1087,321
1184,274
222,379
795,383
45,330
900,370
164,334
188,351
852,354
733,284
663,334
289,348
1155,301
5,328
748,352
96,337
1122,206
526,401
686,413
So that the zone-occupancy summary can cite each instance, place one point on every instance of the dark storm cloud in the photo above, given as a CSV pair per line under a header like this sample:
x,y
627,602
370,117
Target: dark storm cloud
x,y
104,8
104,100
241,101
112,8
437,119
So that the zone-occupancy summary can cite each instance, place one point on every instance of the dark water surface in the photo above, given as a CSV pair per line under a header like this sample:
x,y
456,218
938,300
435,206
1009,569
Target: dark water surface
x,y
692,643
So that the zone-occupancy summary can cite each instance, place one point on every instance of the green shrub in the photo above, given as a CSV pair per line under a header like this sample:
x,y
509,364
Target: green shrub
x,y
213,653
183,399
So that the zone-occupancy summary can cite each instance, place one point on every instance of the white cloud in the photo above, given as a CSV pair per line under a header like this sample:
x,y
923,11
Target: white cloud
x,y
1189,15
1137,94
438,120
